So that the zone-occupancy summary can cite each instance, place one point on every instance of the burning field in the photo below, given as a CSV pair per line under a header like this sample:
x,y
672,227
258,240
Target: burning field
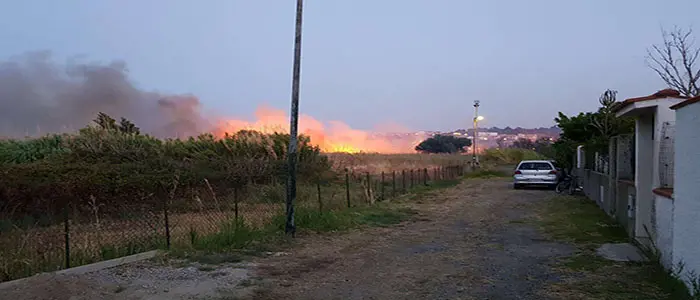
x,y
39,96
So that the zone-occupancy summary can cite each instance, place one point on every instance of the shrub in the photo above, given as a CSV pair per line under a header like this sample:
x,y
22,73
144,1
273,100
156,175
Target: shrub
x,y
509,155
116,165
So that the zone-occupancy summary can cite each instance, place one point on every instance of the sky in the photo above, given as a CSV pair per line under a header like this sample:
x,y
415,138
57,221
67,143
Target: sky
x,y
417,63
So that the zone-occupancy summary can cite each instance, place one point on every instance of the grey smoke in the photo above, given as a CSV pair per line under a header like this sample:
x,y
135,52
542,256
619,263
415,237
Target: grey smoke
x,y
40,96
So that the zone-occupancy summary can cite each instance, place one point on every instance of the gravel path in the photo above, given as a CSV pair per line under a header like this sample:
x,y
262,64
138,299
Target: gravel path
x,y
469,242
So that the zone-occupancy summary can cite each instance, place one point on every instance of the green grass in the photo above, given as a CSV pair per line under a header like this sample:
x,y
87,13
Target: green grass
x,y
578,221
341,220
236,241
421,189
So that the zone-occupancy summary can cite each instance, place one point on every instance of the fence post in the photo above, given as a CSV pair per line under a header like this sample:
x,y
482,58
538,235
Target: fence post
x,y
167,223
318,193
403,180
66,231
411,176
347,186
435,172
235,205
369,188
393,184
381,197
425,176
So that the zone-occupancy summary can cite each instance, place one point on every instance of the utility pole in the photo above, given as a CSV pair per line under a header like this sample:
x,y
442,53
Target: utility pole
x,y
290,227
475,158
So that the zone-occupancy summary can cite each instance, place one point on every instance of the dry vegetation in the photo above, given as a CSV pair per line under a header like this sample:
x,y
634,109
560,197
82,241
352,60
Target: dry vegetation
x,y
376,163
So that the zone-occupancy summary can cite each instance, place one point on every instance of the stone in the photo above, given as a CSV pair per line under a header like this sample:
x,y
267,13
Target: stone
x,y
621,252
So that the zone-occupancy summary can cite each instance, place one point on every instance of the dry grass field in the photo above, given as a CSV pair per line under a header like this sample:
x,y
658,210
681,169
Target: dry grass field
x,y
375,163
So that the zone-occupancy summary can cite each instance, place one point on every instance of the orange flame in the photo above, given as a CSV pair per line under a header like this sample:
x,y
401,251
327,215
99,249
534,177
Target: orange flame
x,y
337,137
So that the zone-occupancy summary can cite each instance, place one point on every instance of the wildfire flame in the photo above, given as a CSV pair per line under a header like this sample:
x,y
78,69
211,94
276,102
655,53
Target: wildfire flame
x,y
336,137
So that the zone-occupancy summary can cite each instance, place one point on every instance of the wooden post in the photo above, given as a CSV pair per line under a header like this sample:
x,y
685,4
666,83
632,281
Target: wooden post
x,y
381,197
318,193
66,232
369,188
347,186
403,180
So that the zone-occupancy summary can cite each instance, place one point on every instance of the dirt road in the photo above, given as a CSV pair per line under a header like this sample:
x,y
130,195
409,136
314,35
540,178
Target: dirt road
x,y
469,242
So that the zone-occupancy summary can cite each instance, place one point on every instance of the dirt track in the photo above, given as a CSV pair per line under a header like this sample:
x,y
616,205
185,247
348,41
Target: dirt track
x,y
468,242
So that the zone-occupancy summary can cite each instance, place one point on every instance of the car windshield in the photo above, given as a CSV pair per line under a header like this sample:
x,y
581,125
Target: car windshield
x,y
535,166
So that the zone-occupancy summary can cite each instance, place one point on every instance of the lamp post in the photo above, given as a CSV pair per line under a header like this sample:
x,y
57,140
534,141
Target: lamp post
x,y
477,118
290,227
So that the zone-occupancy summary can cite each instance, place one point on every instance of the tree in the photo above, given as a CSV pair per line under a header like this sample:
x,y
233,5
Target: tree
x,y
108,123
443,144
592,130
126,126
674,61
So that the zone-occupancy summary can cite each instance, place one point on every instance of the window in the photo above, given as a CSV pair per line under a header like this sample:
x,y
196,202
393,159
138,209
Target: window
x,y
537,166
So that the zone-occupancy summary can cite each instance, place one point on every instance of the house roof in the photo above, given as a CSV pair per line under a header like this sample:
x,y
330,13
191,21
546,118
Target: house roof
x,y
666,93
686,102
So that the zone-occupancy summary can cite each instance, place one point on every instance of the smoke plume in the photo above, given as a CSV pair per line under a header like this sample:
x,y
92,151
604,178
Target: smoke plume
x,y
39,96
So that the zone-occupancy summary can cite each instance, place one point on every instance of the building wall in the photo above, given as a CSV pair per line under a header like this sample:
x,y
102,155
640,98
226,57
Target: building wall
x,y
686,220
664,229
644,167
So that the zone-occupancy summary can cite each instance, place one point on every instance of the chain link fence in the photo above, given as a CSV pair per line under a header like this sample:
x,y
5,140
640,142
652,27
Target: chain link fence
x,y
54,235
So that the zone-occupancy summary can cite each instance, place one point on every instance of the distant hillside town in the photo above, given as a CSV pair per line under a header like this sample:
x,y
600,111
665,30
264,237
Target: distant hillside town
x,y
493,137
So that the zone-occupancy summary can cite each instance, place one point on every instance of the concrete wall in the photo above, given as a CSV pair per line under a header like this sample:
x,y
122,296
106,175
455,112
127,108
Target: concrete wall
x,y
686,220
626,192
644,176
664,229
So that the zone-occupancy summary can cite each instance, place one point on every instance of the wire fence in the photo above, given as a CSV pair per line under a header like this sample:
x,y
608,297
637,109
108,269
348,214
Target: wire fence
x,y
84,231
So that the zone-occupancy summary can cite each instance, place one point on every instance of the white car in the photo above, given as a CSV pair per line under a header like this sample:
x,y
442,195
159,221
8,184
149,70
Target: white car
x,y
535,172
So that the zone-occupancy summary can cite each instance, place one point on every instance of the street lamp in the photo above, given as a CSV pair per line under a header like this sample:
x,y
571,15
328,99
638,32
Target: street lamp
x,y
477,118
290,227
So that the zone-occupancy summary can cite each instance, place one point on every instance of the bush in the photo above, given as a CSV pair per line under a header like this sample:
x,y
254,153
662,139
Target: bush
x,y
509,155
115,164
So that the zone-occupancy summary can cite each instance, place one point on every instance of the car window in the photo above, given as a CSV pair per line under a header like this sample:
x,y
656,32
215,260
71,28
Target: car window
x,y
535,166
